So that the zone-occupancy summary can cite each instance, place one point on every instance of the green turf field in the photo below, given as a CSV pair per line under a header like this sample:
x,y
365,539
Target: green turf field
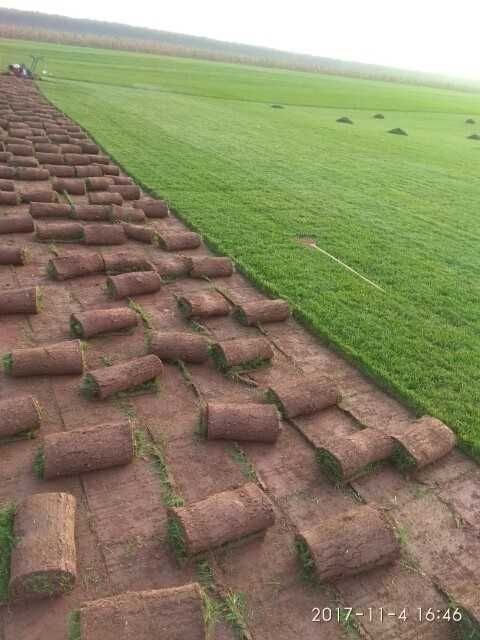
x,y
403,211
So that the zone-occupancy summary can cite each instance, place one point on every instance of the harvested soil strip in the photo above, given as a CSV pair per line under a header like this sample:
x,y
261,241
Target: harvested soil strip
x,y
20,414
152,208
172,346
91,212
262,312
125,262
58,232
203,305
133,284
64,358
26,300
249,422
43,562
102,383
247,353
303,396
74,186
16,224
126,214
68,453
348,544
139,233
12,255
207,267
346,458
177,240
224,517
422,442
67,267
104,198
50,210
104,234
100,321
175,613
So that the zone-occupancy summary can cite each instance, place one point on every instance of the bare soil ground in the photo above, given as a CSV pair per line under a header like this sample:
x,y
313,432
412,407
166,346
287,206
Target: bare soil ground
x,y
121,524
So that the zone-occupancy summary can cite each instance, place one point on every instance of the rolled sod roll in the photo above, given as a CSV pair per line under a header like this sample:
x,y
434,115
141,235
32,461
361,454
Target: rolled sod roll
x,y
109,169
126,214
104,197
12,255
203,305
102,383
176,611
303,396
68,453
343,459
63,358
241,352
50,210
139,233
93,323
262,312
104,234
124,262
358,540
246,422
422,442
89,147
59,138
25,300
50,158
89,171
59,231
23,161
90,212
43,561
47,147
98,183
224,517
7,185
207,267
133,284
70,148
7,173
172,345
104,161
5,156
172,266
20,149
38,195
67,267
152,208
75,186
122,180
20,414
127,191
60,170
10,198
32,173
177,240
76,159
16,224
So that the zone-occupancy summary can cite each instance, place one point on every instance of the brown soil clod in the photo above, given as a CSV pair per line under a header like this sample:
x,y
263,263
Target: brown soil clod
x,y
104,197
242,422
208,304
152,208
177,240
139,233
75,266
345,545
346,458
303,396
224,517
58,232
50,210
134,284
43,562
104,234
244,353
12,255
176,613
262,312
63,358
99,321
422,442
103,446
210,267
25,300
187,347
20,414
105,382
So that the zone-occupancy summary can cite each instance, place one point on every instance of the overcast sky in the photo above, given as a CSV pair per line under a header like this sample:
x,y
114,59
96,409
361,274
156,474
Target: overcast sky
x,y
428,35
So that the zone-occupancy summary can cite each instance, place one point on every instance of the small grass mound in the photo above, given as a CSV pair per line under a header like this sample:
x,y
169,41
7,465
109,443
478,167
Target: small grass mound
x,y
474,136
398,132
379,116
7,542
345,120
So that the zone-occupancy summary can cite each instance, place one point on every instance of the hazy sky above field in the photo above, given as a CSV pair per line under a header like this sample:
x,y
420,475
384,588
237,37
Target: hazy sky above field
x,y
428,35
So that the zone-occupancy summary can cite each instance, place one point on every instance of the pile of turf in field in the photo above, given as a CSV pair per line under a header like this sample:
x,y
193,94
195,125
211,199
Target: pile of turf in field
x,y
345,120
474,136
399,132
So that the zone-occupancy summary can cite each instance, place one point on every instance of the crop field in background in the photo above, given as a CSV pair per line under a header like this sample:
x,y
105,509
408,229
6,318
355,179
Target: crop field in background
x,y
402,211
